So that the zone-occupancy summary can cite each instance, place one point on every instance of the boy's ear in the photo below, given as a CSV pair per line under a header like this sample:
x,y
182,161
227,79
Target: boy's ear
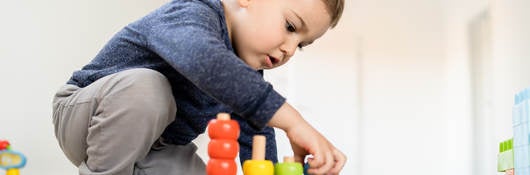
x,y
243,3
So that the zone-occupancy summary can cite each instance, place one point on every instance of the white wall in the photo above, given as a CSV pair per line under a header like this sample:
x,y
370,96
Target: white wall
x,y
511,57
458,15
403,87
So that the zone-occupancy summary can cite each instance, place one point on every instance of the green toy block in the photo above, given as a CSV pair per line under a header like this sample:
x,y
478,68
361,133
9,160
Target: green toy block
x,y
505,157
288,167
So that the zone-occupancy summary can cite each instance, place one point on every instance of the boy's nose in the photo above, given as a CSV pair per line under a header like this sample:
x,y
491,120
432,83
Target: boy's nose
x,y
288,49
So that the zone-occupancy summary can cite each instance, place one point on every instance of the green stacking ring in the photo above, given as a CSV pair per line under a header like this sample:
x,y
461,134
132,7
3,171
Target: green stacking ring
x,y
289,168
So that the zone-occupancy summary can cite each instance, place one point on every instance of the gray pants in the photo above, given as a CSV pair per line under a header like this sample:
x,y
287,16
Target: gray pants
x,y
113,126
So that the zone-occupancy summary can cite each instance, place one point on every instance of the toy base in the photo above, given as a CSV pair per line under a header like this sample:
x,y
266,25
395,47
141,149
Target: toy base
x,y
12,171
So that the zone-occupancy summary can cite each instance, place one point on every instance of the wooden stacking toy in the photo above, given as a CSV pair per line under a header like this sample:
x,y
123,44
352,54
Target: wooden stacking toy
x,y
258,165
11,161
288,167
223,146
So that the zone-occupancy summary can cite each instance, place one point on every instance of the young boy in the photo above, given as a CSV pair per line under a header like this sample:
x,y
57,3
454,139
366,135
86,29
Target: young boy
x,y
135,108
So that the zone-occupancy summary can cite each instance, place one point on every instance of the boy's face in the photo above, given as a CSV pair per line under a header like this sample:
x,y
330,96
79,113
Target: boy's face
x,y
266,33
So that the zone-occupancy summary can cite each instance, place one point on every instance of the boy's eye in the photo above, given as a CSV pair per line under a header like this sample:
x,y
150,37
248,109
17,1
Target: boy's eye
x,y
290,27
300,46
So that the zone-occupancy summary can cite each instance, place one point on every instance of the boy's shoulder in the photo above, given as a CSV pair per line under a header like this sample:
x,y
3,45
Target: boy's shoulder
x,y
184,11
194,7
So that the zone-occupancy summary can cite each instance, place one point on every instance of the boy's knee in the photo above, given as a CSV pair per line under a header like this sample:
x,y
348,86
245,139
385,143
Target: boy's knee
x,y
148,78
147,82
146,90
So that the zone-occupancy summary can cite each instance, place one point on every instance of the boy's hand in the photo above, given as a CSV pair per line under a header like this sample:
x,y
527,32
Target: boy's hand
x,y
305,140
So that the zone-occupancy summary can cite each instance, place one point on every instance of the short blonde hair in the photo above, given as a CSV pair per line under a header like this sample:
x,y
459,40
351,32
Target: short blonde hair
x,y
335,8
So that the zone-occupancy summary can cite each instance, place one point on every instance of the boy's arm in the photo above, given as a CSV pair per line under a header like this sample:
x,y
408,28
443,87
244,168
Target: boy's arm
x,y
305,140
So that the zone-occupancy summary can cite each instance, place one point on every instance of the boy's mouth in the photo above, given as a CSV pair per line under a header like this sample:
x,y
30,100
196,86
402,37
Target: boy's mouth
x,y
271,61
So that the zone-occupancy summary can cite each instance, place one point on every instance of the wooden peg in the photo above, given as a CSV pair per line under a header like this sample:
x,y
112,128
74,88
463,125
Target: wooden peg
x,y
258,165
223,116
258,147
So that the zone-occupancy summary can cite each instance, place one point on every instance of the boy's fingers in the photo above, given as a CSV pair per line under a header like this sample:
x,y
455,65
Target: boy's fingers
x,y
317,160
326,165
340,160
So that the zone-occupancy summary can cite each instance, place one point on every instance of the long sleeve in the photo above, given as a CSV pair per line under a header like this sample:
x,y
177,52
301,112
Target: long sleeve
x,y
245,141
197,46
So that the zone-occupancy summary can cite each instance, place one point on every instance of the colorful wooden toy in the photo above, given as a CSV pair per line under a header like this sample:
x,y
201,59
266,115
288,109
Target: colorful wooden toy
x,y
4,144
521,130
221,167
10,160
288,167
258,165
223,128
505,158
223,146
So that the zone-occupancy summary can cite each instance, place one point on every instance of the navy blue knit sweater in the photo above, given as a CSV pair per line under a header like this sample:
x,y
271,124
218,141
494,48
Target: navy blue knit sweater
x,y
188,42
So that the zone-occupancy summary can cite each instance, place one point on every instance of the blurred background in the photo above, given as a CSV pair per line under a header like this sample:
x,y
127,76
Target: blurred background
x,y
402,87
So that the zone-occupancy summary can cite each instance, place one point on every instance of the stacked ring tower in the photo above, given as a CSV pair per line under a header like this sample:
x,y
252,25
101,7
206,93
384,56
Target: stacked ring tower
x,y
223,146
